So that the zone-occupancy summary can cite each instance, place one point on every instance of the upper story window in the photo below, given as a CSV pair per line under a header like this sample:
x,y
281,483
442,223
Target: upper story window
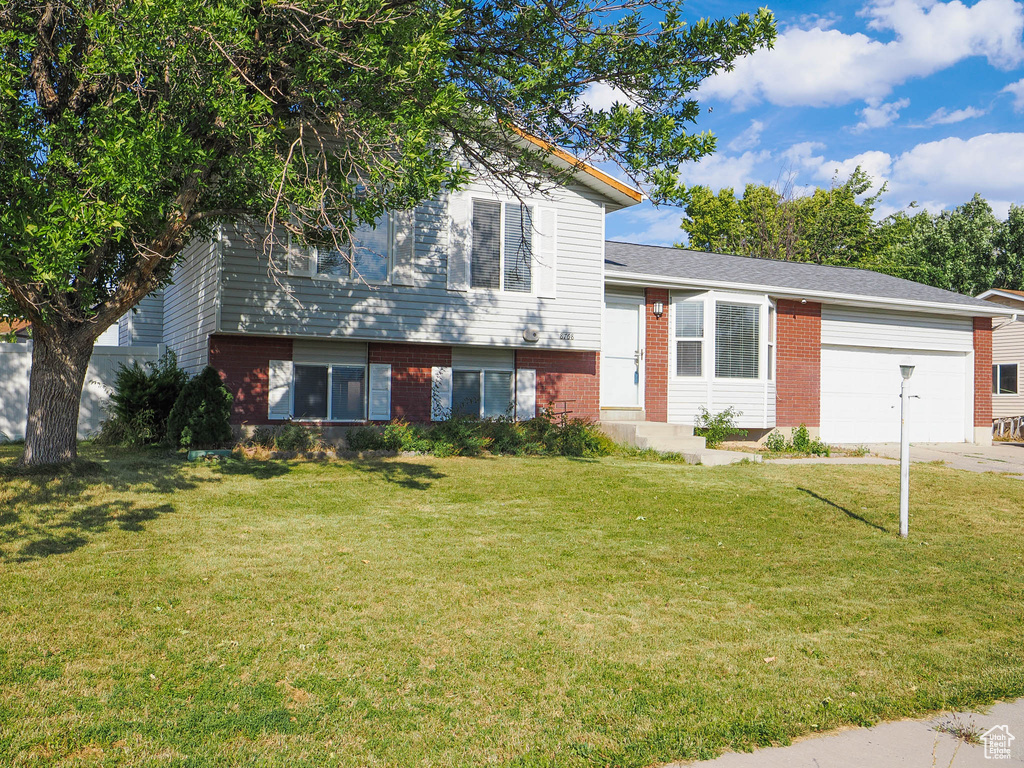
x,y
1004,379
737,340
367,257
689,337
502,247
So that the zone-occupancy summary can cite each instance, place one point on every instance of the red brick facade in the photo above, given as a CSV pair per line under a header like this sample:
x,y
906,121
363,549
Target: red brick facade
x,y
411,373
798,364
656,366
244,364
983,371
565,376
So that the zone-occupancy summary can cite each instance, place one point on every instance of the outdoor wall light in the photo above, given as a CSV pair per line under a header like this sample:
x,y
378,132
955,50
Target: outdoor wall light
x,y
907,371
659,309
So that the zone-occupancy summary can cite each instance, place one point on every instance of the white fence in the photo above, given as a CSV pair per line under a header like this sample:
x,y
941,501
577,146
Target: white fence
x,y
15,368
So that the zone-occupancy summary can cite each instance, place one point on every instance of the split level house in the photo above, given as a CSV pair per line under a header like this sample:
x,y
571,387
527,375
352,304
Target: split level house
x,y
1007,354
484,303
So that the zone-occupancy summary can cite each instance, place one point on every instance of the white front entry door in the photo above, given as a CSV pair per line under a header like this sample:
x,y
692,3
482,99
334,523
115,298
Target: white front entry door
x,y
860,395
622,354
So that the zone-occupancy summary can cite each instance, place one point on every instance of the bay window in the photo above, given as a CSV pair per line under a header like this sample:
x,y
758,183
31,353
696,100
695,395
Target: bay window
x,y
737,340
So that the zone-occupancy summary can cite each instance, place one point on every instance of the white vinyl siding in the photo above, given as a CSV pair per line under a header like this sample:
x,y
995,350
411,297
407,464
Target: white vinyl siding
x,y
437,310
1008,347
143,324
190,305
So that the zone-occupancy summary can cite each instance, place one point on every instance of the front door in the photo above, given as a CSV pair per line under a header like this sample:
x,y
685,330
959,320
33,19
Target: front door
x,y
622,354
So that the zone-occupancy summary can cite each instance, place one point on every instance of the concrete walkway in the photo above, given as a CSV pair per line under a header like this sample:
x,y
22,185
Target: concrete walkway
x,y
902,744
998,457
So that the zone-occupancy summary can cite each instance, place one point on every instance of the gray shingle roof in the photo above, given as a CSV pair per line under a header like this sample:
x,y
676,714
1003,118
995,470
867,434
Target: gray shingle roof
x,y
812,278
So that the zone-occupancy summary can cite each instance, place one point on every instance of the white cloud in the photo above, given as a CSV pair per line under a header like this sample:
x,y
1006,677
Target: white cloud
x,y
1017,90
826,67
749,139
718,170
604,96
648,225
941,117
880,114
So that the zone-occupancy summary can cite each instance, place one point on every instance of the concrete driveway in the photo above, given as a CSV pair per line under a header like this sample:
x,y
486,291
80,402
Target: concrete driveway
x,y
998,457
901,744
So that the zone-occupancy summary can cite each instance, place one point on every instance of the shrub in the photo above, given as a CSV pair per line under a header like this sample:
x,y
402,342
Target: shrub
x,y
818,448
714,428
294,437
364,439
508,437
142,400
562,436
775,442
403,436
201,416
463,435
264,437
801,440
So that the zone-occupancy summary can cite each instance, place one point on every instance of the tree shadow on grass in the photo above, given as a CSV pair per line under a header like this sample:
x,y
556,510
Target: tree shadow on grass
x,y
845,511
417,477
57,509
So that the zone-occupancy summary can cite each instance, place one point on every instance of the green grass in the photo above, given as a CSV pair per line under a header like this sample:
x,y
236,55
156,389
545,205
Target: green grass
x,y
508,612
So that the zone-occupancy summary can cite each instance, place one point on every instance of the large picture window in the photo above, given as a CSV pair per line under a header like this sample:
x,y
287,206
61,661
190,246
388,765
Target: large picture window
x,y
330,392
737,336
689,335
502,255
1004,379
482,393
367,257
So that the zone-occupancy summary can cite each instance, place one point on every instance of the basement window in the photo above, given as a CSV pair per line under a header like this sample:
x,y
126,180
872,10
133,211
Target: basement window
x,y
482,393
330,392
1004,379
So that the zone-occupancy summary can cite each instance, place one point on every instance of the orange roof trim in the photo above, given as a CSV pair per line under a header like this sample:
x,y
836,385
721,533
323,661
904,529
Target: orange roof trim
x,y
604,178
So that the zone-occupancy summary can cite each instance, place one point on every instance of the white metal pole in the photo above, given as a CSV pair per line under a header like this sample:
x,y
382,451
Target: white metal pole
x,y
904,464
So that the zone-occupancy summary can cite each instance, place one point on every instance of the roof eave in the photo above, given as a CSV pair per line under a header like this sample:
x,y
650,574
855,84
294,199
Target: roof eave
x,y
984,296
614,277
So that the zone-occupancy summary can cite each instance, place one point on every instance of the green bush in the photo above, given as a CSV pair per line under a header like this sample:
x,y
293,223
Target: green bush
x,y
294,437
141,402
715,427
264,437
201,416
463,435
364,439
508,437
562,436
403,436
775,442
818,448
801,440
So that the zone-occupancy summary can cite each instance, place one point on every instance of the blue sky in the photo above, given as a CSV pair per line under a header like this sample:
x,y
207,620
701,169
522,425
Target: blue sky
x,y
926,96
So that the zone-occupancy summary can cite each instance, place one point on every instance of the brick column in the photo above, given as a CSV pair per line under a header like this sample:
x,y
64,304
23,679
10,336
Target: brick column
x,y
798,364
244,364
411,366
983,372
656,367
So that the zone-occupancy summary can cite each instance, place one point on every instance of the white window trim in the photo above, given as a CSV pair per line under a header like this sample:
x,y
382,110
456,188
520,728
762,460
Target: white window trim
x,y
352,278
771,326
330,401
703,339
510,371
996,377
500,290
748,301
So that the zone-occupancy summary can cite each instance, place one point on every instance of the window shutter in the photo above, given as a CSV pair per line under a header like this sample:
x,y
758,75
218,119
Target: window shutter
x,y
441,394
403,249
546,252
460,239
526,393
380,392
301,261
279,394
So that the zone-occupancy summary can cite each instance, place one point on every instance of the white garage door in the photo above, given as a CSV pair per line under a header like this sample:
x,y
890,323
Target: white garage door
x,y
860,390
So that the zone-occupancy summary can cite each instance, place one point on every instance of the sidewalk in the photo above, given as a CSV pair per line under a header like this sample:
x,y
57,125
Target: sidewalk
x,y
902,744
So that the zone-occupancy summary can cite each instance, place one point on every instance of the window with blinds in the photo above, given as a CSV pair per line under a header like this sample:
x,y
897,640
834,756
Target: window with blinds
x,y
311,392
689,334
330,392
482,393
502,256
771,342
348,393
737,335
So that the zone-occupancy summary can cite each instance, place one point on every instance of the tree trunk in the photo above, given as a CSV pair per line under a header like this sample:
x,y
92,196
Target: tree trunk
x,y
60,358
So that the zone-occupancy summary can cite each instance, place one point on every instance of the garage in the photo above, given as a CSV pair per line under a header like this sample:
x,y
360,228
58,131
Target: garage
x,y
860,381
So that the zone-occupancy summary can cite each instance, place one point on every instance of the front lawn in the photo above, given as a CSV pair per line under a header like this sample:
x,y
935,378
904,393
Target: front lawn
x,y
519,612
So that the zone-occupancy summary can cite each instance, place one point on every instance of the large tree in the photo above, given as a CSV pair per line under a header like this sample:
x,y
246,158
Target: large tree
x,y
126,129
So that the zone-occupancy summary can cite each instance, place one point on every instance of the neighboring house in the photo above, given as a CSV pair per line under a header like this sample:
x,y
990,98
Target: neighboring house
x,y
1007,354
22,332
473,303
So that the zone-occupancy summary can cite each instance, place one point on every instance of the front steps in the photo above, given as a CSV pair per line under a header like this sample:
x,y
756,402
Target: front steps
x,y
669,438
